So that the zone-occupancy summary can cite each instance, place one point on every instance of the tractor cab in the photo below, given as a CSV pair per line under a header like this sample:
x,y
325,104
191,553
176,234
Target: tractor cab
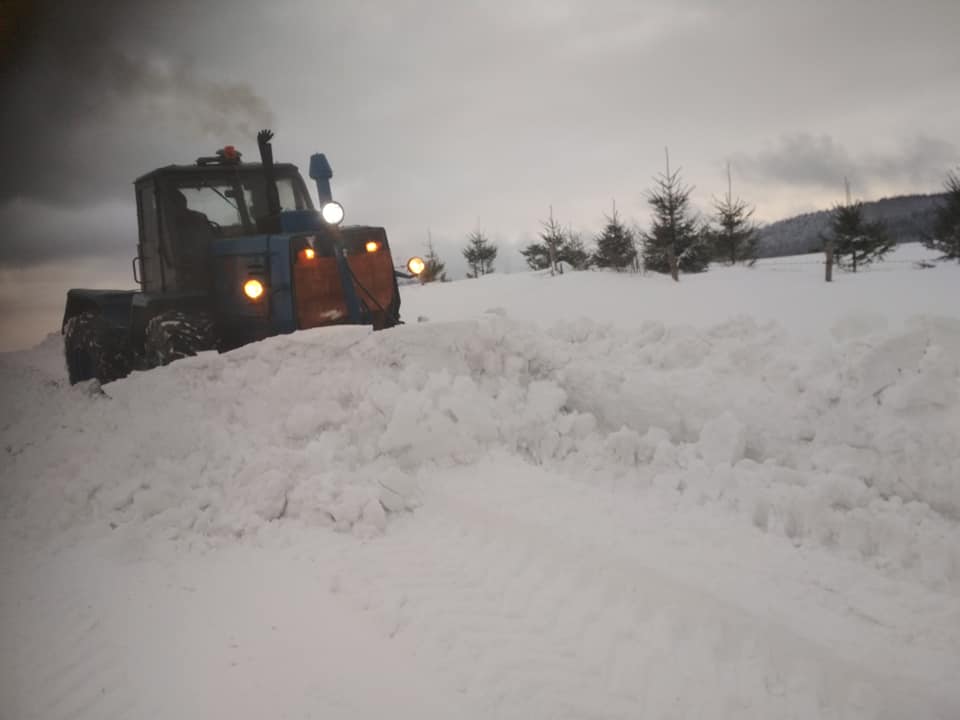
x,y
231,252
184,208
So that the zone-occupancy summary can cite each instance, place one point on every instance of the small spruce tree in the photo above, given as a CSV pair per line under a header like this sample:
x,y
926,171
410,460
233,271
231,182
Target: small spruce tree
x,y
857,242
734,235
615,245
946,225
676,240
545,254
537,255
480,254
573,252
434,269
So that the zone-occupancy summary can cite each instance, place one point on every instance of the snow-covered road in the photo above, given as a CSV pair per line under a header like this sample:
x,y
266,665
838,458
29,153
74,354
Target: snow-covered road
x,y
490,517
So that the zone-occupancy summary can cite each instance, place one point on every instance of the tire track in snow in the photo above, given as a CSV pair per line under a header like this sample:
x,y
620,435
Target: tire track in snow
x,y
528,622
66,667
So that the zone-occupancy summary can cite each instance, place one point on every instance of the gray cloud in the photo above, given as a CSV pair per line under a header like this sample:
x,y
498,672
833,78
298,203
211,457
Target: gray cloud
x,y
819,161
40,233
87,92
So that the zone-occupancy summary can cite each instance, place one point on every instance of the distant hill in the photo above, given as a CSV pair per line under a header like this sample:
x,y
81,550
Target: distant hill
x,y
907,217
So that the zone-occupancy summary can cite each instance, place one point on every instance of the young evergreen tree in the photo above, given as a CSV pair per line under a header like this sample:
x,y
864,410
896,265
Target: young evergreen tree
x,y
676,240
573,252
615,245
553,238
545,254
734,235
434,269
537,255
946,226
480,254
857,242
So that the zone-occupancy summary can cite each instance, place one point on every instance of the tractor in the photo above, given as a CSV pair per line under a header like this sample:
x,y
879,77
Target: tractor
x,y
229,253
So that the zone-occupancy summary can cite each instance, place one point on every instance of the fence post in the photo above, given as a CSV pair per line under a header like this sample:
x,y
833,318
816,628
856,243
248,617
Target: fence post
x,y
829,249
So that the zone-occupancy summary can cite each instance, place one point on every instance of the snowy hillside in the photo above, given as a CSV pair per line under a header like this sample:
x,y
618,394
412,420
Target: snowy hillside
x,y
594,495
908,218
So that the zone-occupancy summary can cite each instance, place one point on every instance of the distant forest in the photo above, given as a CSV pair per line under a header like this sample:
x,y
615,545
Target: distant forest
x,y
907,217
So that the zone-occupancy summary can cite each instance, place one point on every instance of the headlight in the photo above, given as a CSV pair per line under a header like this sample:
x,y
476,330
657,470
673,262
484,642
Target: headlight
x,y
415,265
253,289
372,246
332,213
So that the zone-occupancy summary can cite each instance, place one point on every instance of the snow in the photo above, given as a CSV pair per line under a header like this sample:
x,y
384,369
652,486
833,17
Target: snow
x,y
789,291
595,495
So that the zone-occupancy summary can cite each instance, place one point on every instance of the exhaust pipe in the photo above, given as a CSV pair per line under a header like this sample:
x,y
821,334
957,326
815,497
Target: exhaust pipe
x,y
266,157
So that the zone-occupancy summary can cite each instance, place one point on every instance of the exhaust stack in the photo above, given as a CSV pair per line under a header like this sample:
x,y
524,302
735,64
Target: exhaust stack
x,y
266,157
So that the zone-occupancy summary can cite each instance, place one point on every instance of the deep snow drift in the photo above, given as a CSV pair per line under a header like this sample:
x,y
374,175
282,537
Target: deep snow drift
x,y
579,496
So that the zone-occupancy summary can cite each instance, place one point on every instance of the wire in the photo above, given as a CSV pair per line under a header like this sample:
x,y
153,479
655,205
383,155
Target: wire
x,y
360,285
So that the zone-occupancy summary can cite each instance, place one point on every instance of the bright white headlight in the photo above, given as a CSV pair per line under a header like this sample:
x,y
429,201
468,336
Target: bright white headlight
x,y
332,213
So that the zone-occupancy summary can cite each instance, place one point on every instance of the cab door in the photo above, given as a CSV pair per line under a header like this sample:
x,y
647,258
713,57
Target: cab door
x,y
148,265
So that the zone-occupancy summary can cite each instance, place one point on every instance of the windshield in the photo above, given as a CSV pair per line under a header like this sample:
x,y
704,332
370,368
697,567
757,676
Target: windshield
x,y
235,204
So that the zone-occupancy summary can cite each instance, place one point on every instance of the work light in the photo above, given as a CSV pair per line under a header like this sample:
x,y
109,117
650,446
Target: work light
x,y
332,213
253,289
415,265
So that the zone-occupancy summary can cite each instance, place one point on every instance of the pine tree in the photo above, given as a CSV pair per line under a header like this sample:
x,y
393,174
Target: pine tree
x,y
546,253
734,235
480,254
573,252
946,225
434,269
857,242
676,241
615,245
537,255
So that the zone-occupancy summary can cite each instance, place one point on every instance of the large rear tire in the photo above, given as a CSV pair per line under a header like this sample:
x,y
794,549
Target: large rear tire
x,y
94,350
175,334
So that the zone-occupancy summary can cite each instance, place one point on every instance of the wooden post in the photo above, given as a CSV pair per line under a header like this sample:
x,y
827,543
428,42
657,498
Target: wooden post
x,y
829,251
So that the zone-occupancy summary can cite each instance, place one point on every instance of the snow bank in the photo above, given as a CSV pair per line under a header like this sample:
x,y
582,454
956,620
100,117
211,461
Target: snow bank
x,y
789,291
848,445
673,508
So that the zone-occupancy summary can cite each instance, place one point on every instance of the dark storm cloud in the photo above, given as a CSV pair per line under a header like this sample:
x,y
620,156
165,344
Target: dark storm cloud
x,y
86,89
819,161
37,233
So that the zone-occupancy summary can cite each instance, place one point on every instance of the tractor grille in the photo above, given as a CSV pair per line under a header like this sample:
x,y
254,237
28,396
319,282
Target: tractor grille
x,y
318,292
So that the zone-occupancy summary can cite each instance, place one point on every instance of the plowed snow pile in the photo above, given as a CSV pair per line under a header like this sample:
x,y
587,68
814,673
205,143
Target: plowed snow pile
x,y
489,517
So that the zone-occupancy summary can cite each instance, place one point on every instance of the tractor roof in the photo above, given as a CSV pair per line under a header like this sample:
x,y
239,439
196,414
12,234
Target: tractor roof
x,y
200,170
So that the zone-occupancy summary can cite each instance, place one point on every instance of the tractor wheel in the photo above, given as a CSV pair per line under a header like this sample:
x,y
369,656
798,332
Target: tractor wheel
x,y
174,334
93,350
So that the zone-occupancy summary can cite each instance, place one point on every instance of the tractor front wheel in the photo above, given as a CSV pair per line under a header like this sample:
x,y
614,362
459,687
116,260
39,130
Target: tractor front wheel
x,y
174,334
94,350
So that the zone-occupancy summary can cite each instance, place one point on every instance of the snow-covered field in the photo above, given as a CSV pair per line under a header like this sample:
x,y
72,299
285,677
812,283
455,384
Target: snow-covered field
x,y
587,496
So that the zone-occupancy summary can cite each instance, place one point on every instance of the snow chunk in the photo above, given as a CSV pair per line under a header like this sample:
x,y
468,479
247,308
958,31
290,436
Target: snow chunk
x,y
723,440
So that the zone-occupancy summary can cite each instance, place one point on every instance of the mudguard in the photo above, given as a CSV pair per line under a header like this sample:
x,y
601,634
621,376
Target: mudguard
x,y
112,305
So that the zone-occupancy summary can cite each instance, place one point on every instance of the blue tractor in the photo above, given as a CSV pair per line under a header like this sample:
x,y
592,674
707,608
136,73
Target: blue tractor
x,y
229,253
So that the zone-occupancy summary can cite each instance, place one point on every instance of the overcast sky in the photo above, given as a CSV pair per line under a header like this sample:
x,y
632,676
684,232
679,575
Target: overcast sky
x,y
453,116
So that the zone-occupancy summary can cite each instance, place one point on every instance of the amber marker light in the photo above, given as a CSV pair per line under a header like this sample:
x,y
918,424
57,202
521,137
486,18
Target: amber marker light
x,y
253,289
373,246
